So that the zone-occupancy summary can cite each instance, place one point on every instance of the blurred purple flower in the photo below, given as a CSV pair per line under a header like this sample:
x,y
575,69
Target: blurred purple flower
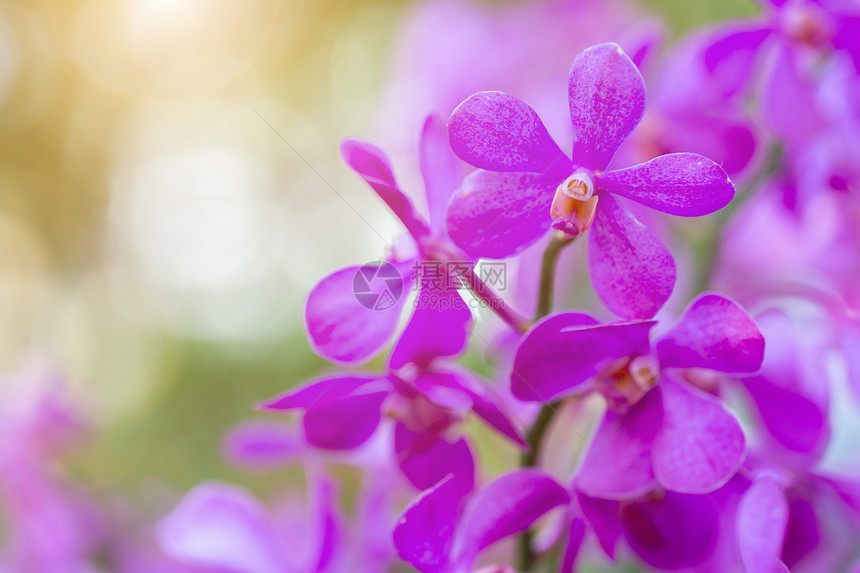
x,y
442,532
795,28
527,184
50,524
223,528
681,116
339,327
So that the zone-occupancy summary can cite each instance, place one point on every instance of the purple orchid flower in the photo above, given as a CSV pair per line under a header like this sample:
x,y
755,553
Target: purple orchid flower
x,y
339,327
791,27
268,444
426,399
527,184
224,528
660,428
51,525
779,523
443,533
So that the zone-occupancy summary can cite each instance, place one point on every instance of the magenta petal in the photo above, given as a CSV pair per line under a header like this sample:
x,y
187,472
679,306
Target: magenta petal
x,y
700,445
715,333
793,420
344,424
372,164
762,521
731,57
425,530
607,100
327,525
497,215
488,406
340,328
673,531
602,516
785,93
506,506
341,412
326,390
575,536
847,35
262,443
425,465
496,131
442,389
440,170
683,184
439,327
564,351
632,271
726,140
802,535
617,464
220,526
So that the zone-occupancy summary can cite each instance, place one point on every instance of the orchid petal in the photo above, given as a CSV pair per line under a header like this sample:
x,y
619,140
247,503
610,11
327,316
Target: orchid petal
x,y
497,215
671,532
793,420
684,184
714,333
575,536
700,445
731,57
633,273
785,93
438,328
726,140
602,517
762,521
506,506
424,465
222,526
425,530
262,443
496,131
617,464
607,100
341,328
371,163
341,412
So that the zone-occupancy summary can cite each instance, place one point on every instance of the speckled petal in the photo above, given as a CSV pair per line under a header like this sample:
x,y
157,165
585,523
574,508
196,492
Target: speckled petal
x,y
496,131
607,100
497,215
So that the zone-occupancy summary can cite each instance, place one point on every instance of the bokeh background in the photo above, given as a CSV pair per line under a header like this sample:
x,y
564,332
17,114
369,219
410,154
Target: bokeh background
x,y
170,187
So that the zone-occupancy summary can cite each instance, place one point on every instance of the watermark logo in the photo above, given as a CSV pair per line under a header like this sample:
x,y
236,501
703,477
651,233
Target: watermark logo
x,y
446,275
377,285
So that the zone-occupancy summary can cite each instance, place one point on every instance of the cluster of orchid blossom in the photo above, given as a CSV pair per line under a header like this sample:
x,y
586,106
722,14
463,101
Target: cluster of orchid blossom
x,y
672,416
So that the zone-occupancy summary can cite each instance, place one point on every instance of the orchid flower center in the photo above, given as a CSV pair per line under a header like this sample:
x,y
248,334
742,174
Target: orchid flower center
x,y
626,381
805,24
574,204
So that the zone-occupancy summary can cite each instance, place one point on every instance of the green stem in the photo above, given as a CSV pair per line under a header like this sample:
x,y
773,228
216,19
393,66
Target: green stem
x,y
493,301
538,430
547,273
